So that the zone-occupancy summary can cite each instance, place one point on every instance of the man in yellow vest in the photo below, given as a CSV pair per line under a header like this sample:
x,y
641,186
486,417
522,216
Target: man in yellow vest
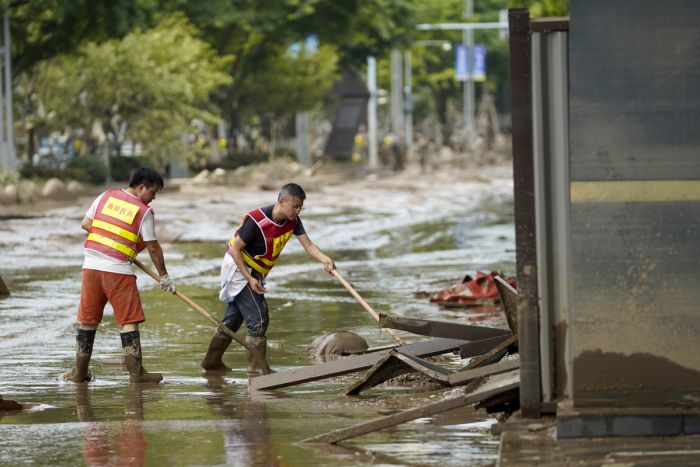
x,y
252,252
119,224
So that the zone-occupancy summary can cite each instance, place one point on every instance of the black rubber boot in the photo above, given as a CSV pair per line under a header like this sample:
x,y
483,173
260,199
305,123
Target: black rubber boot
x,y
255,364
218,345
131,342
83,352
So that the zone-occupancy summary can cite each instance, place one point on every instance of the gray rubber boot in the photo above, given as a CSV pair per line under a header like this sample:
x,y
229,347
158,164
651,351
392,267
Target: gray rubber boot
x,y
254,364
218,345
81,372
131,342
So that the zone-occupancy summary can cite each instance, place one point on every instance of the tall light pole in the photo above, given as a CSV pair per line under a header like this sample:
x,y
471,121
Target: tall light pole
x,y
8,158
468,85
408,105
468,39
372,112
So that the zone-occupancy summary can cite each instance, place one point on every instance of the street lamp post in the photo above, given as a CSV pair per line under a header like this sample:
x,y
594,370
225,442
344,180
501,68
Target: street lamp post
x,y
467,36
468,85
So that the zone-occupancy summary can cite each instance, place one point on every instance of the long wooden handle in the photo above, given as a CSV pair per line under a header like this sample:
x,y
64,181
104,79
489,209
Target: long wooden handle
x,y
364,304
203,312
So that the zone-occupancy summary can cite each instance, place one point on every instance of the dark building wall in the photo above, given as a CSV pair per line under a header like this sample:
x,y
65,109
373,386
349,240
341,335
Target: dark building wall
x,y
635,202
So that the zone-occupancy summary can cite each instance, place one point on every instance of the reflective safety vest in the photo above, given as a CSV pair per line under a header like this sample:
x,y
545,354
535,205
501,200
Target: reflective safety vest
x,y
115,229
276,237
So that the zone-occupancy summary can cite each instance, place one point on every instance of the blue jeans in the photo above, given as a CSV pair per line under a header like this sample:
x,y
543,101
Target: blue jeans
x,y
252,308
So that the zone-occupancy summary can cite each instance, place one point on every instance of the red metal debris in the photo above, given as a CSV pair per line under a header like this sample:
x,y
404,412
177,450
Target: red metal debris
x,y
471,291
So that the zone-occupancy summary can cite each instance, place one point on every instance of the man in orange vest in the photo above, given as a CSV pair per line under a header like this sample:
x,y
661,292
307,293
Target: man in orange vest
x,y
119,224
252,252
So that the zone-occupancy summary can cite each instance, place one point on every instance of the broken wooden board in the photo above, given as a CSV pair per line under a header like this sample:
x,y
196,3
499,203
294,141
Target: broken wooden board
x,y
509,302
394,364
472,349
464,376
495,353
349,365
493,387
424,327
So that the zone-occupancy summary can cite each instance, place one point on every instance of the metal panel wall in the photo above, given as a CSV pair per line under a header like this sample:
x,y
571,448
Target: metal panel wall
x,y
551,165
635,202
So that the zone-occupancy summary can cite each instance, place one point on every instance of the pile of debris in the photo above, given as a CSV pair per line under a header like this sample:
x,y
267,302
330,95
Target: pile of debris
x,y
471,291
493,363
264,175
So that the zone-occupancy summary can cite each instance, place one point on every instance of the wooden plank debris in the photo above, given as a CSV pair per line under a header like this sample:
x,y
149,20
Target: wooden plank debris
x,y
498,385
424,327
509,302
395,363
472,349
349,365
493,354
464,376
390,366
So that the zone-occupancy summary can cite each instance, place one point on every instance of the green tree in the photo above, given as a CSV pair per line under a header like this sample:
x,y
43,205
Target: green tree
x,y
259,35
433,68
42,29
539,8
147,87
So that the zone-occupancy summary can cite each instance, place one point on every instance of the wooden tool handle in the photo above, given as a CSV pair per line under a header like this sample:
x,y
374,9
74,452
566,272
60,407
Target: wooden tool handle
x,y
364,304
197,308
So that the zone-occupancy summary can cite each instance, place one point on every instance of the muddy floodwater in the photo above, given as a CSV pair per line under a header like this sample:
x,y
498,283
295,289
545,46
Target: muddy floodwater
x,y
390,237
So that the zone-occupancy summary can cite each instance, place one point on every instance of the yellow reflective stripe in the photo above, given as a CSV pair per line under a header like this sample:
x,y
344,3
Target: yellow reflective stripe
x,y
251,262
130,252
266,261
115,230
631,191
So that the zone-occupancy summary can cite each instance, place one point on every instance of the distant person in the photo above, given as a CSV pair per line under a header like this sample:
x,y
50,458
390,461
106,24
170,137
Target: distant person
x,y
252,252
119,224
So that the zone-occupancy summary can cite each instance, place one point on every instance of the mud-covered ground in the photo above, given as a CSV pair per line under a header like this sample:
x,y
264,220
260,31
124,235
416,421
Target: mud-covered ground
x,y
391,236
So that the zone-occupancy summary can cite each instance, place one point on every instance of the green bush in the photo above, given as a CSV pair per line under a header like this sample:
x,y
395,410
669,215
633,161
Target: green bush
x,y
38,173
89,169
234,161
122,167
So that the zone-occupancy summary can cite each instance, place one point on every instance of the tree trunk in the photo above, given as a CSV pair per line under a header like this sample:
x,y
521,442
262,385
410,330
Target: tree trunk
x,y
440,97
31,146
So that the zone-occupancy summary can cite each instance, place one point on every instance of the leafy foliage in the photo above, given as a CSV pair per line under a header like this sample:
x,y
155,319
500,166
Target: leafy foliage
x,y
147,87
42,29
539,8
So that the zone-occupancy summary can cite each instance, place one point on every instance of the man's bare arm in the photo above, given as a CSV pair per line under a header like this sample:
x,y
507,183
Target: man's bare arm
x,y
316,253
156,253
86,223
235,252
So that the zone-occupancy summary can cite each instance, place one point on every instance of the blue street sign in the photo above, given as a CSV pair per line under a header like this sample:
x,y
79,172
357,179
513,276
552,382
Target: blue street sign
x,y
479,63
477,70
461,71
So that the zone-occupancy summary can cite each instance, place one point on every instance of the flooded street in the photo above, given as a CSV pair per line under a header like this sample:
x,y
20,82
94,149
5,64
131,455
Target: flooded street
x,y
391,238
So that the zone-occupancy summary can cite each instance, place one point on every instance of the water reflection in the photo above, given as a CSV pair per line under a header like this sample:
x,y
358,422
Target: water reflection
x,y
122,444
247,441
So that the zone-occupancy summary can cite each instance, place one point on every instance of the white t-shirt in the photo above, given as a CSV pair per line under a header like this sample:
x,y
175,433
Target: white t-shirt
x,y
101,262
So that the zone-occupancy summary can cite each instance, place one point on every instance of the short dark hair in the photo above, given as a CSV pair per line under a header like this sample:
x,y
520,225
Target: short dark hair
x,y
146,176
293,190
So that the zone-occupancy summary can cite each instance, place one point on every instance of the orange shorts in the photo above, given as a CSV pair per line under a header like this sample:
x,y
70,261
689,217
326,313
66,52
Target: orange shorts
x,y
100,287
